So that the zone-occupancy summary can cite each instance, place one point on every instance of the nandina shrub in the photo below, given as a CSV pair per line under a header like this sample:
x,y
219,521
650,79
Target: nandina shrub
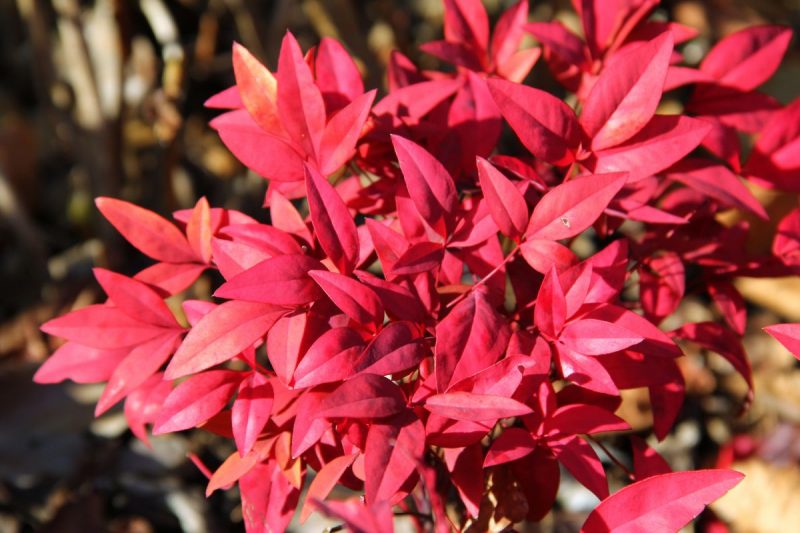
x,y
414,322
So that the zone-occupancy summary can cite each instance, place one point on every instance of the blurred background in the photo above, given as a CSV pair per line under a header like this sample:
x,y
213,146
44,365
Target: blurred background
x,y
104,98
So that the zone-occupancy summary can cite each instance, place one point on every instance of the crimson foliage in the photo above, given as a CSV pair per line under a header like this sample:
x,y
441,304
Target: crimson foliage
x,y
421,321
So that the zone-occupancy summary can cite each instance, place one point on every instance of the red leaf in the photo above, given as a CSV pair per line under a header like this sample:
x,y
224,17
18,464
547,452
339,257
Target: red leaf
x,y
196,400
331,358
171,278
419,257
774,159
662,282
333,225
280,280
730,302
429,184
508,32
661,143
257,89
136,299
399,302
574,419
269,499
465,21
264,153
358,517
512,444
582,462
391,455
665,502
308,428
625,96
364,396
199,230
506,204
550,312
153,235
717,182
338,142
324,482
472,337
724,341
395,348
543,255
101,326
573,206
467,476
545,125
141,363
594,337
747,58
471,407
788,335
144,403
222,334
356,300
81,364
646,461
336,75
300,105
251,411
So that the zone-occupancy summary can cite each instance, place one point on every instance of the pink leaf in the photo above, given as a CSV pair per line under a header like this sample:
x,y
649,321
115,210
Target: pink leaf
x,y
574,419
512,444
506,204
136,299
625,96
430,185
333,225
747,58
101,326
141,363
788,335
391,454
472,337
471,407
364,396
550,312
153,235
665,502
280,280
717,182
545,125
336,75
543,255
594,337
356,300
342,132
300,105
331,358
222,334
580,459
570,208
325,481
81,364
196,400
251,411
465,21
395,348
661,143
264,153
257,89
